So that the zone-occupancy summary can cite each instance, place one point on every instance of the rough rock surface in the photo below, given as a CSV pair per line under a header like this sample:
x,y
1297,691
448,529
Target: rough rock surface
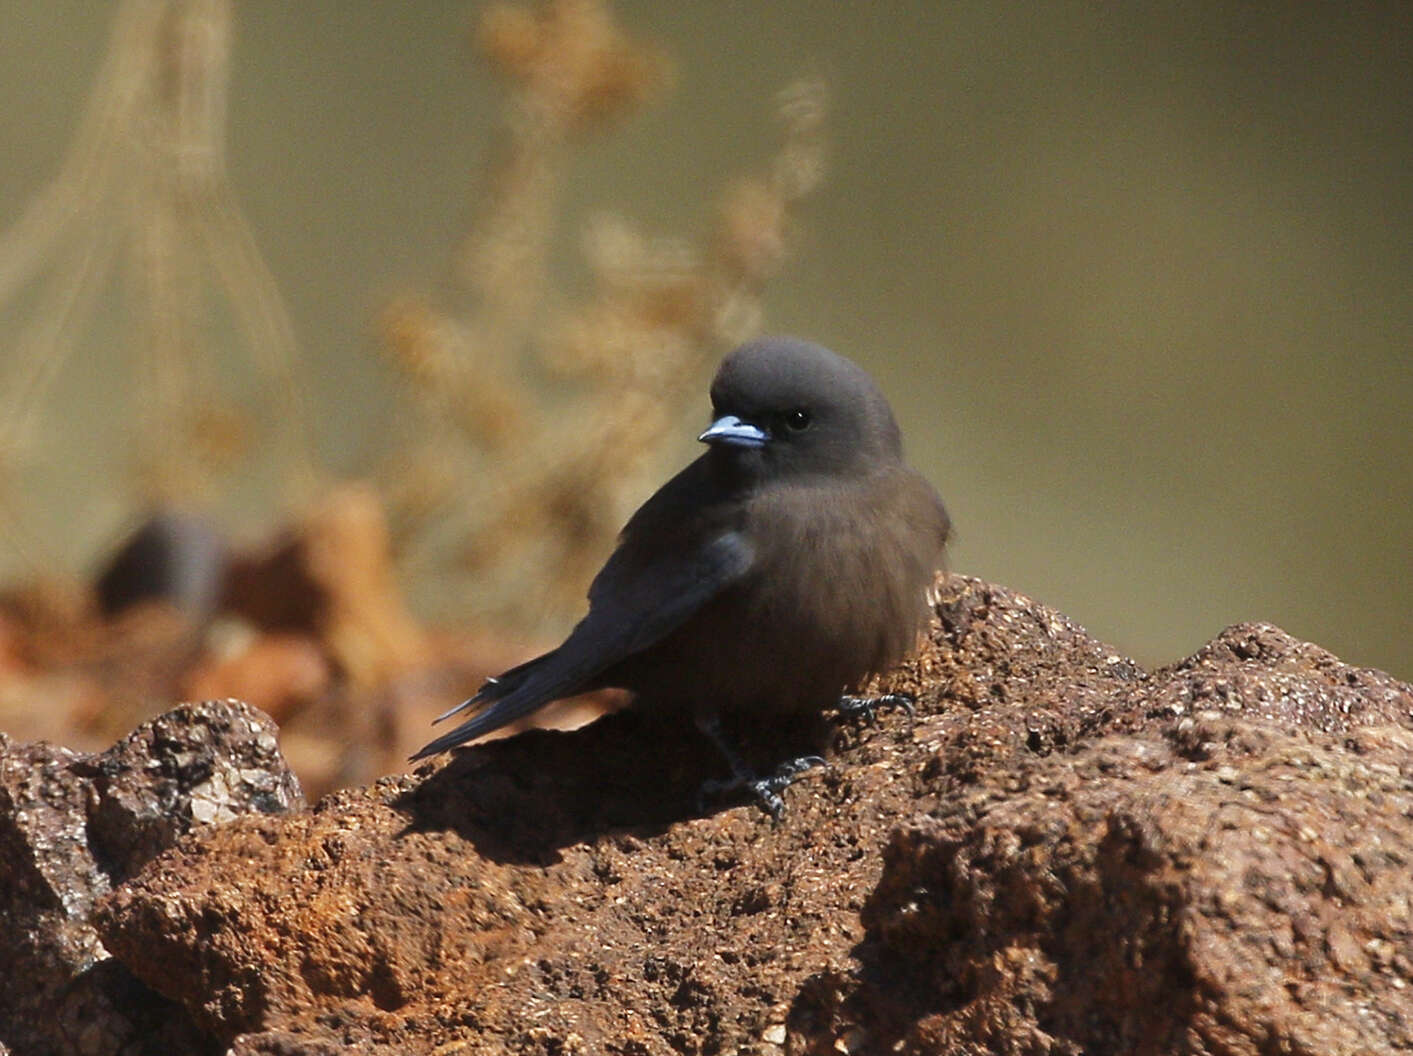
x,y
72,826
1218,887
1062,853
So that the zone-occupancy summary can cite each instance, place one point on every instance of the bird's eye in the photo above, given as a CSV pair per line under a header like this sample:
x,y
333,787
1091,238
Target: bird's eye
x,y
797,420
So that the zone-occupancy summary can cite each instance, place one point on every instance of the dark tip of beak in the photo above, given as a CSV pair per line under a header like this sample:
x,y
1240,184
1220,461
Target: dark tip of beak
x,y
730,430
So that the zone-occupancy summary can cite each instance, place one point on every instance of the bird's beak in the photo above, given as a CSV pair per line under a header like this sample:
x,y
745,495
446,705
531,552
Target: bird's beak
x,y
730,430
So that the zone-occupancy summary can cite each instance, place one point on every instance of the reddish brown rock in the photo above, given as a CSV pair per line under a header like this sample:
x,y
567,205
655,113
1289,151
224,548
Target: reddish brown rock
x,y
331,576
73,825
281,674
195,765
1217,886
1061,854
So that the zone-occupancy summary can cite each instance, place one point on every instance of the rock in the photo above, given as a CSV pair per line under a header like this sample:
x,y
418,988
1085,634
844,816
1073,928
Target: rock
x,y
1214,886
332,577
1061,854
281,674
195,765
72,826
174,556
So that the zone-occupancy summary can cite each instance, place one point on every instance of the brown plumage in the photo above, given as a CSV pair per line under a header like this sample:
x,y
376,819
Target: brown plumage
x,y
783,566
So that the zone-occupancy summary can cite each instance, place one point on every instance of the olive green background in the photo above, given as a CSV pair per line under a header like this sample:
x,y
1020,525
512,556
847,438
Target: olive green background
x,y
1138,277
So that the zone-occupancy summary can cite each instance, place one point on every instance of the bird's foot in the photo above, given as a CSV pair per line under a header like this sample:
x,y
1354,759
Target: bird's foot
x,y
867,708
766,790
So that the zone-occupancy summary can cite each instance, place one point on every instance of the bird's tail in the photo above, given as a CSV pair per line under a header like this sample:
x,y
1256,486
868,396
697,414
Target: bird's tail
x,y
500,706
492,718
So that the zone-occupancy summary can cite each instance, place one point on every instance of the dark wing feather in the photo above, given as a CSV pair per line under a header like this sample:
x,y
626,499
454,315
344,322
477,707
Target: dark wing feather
x,y
634,602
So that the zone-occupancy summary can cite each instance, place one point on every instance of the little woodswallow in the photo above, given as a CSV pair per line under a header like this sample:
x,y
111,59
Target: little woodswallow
x,y
788,562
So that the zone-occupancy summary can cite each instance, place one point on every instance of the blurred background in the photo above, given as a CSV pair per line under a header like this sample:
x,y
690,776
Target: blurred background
x,y
1137,279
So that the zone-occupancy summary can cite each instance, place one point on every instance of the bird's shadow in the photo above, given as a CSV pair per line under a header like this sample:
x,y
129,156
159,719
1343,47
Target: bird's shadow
x,y
525,798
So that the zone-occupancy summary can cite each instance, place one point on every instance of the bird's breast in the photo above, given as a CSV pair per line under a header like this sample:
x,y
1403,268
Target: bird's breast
x,y
835,593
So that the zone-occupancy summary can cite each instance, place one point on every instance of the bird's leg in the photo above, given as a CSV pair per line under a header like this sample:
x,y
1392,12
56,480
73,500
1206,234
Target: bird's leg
x,y
867,707
766,789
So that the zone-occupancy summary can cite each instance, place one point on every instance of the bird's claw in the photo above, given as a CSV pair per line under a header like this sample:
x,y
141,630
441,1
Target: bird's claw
x,y
866,708
765,790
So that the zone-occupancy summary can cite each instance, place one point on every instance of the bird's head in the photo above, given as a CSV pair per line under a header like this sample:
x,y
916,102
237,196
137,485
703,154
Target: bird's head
x,y
787,407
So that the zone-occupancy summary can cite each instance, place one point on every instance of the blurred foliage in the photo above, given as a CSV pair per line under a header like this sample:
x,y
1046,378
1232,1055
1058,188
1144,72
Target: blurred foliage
x,y
138,246
534,425
530,422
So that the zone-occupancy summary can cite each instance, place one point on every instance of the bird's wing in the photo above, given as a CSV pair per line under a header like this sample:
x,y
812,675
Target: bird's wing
x,y
635,601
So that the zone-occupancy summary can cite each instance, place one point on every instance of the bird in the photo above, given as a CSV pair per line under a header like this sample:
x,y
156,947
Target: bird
x,y
773,574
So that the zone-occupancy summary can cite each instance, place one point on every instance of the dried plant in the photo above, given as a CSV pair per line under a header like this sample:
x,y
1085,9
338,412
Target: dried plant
x,y
141,213
537,429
